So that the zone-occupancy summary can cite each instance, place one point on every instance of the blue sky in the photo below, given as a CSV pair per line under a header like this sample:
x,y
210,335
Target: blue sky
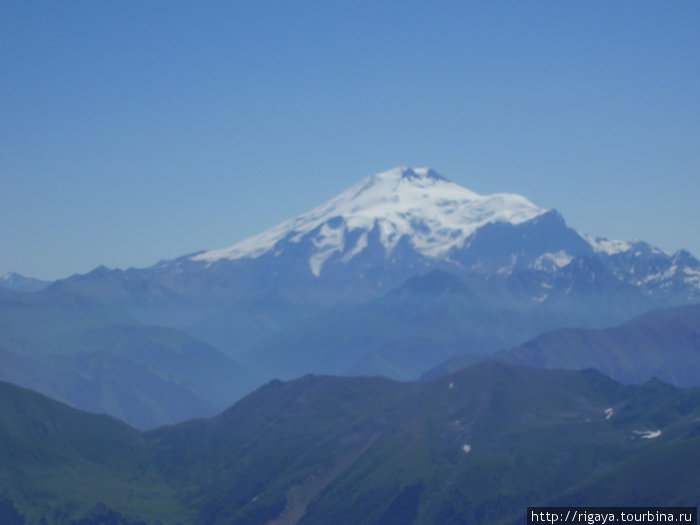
x,y
137,131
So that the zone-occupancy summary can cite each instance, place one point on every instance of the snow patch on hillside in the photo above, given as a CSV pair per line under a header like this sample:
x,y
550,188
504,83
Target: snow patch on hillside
x,y
602,245
550,261
647,434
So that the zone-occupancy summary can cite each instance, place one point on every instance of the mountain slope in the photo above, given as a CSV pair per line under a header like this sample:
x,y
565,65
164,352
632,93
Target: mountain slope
x,y
403,333
15,281
477,446
661,343
58,464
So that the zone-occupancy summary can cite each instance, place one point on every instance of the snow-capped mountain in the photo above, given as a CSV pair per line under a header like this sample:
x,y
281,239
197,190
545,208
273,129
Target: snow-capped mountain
x,y
434,214
391,277
413,219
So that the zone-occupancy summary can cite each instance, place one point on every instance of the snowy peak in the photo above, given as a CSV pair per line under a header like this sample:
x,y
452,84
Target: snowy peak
x,y
415,218
434,214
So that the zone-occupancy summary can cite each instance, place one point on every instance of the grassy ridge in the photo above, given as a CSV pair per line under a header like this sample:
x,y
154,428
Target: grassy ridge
x,y
476,446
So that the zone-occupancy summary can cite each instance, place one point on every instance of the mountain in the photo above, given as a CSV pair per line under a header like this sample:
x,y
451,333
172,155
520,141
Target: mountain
x,y
386,229
354,285
98,359
16,281
374,236
60,465
427,319
413,216
663,344
477,446
415,207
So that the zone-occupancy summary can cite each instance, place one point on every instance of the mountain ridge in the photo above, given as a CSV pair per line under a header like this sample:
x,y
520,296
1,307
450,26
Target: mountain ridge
x,y
16,281
477,446
661,343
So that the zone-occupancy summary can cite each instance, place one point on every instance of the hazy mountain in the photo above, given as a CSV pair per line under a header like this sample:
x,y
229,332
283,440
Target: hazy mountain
x,y
402,333
98,359
477,446
377,234
662,343
16,281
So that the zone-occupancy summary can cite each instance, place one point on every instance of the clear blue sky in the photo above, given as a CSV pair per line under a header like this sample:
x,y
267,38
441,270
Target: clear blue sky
x,y
137,131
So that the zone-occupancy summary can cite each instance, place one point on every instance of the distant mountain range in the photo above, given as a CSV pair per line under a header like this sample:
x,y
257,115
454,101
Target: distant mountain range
x,y
662,344
99,359
392,277
16,281
477,446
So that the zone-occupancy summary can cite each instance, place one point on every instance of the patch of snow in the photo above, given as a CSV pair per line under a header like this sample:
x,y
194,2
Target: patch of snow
x,y
602,245
467,448
647,434
327,242
609,413
551,261
693,276
670,272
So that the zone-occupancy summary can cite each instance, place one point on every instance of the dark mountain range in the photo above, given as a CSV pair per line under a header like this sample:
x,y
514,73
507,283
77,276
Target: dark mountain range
x,y
662,343
477,446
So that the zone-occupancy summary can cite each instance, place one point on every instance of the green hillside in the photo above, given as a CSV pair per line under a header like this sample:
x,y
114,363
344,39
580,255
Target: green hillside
x,y
477,446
